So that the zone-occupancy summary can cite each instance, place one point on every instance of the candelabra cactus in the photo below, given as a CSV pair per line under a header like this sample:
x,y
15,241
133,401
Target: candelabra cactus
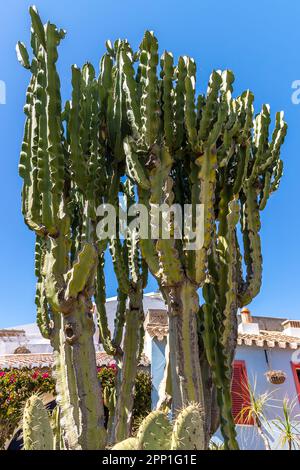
x,y
149,137
72,160
207,150
61,211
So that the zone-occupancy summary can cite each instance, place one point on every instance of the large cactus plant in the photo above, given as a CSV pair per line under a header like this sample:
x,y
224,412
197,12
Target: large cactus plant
x,y
58,204
212,150
72,160
141,130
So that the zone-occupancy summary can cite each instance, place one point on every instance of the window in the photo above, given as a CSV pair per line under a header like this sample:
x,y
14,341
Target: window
x,y
240,393
296,373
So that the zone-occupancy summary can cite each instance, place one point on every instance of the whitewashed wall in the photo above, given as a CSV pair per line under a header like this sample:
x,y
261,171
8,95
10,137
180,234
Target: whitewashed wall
x,y
279,359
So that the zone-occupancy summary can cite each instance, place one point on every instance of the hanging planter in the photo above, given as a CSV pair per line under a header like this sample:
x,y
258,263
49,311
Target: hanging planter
x,y
276,377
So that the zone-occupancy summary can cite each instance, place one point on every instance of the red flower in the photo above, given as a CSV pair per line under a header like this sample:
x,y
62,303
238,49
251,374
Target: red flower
x,y
35,375
2,374
45,375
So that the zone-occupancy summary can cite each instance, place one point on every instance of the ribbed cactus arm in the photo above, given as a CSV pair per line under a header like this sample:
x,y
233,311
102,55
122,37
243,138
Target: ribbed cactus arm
x,y
130,89
190,106
24,164
135,168
260,140
272,168
252,246
119,263
78,164
100,299
115,113
147,246
53,38
22,55
43,169
167,98
32,205
207,179
79,275
42,307
232,263
217,357
179,100
134,318
171,269
27,167
37,26
214,87
42,310
149,88
161,193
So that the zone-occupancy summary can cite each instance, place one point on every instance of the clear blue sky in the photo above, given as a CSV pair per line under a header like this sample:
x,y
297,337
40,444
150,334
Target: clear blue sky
x,y
258,40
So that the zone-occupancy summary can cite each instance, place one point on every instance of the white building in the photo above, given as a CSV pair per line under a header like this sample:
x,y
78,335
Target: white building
x,y
268,350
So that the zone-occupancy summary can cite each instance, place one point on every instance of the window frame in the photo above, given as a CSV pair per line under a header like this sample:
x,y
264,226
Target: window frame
x,y
239,420
296,366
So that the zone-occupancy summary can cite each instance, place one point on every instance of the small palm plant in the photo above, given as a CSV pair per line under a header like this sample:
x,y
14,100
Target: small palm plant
x,y
288,426
254,412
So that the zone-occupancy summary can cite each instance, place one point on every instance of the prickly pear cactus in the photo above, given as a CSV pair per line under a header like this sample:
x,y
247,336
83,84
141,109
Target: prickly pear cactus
x,y
128,444
187,433
155,432
37,430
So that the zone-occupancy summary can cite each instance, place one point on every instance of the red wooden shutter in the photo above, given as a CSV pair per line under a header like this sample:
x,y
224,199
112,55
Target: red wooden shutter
x,y
240,393
296,374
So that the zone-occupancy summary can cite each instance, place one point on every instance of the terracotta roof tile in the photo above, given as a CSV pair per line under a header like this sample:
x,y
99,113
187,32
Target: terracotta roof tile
x,y
271,339
157,327
21,361
6,333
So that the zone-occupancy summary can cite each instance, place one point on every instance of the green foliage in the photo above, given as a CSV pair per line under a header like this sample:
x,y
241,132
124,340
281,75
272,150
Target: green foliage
x,y
142,402
288,425
16,386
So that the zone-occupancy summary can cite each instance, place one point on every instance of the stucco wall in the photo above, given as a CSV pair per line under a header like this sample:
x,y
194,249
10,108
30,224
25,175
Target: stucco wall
x,y
256,365
157,367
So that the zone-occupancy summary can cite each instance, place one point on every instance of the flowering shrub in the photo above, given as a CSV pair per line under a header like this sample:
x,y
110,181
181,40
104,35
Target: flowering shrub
x,y
15,387
18,385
